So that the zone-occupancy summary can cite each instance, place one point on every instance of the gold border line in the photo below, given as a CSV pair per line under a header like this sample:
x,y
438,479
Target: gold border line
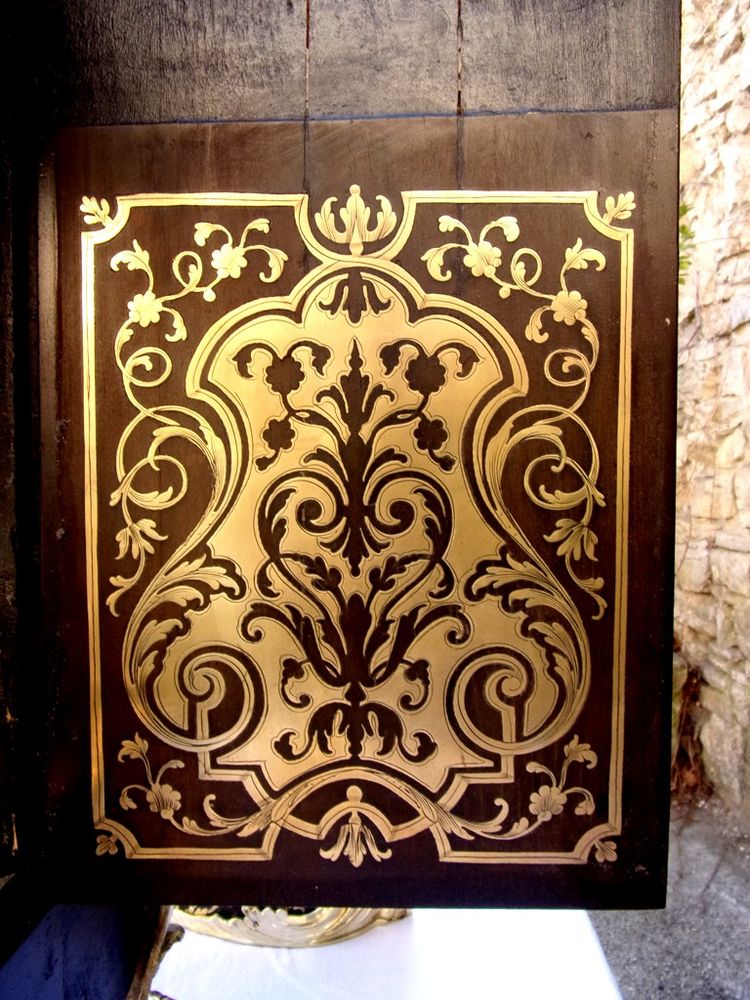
x,y
411,199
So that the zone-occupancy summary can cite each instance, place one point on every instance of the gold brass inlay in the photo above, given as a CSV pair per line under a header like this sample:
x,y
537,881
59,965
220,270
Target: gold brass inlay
x,y
358,634
283,929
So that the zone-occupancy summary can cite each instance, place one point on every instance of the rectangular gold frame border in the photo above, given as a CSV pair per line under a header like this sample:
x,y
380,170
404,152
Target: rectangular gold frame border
x,y
90,239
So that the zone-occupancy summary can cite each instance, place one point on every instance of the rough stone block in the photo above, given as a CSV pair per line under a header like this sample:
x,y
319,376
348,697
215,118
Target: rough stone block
x,y
714,676
694,572
698,612
692,162
734,377
742,624
731,449
738,116
717,703
700,499
726,635
740,696
733,542
732,570
742,488
739,308
723,505
723,745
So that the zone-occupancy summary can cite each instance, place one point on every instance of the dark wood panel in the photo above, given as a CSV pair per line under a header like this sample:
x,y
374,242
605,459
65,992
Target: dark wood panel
x,y
638,152
556,55
219,157
545,166
384,58
8,617
72,61
121,61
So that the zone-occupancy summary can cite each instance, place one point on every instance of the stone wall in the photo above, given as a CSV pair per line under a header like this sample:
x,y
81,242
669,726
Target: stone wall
x,y
712,611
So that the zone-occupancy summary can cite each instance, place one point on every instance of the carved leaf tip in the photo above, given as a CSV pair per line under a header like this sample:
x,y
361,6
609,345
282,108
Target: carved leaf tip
x,y
95,211
620,208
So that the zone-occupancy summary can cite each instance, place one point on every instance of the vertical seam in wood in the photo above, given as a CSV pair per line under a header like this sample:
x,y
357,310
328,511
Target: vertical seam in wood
x,y
306,116
459,59
459,96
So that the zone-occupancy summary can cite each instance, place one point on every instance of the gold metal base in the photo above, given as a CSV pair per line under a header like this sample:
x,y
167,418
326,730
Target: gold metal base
x,y
271,928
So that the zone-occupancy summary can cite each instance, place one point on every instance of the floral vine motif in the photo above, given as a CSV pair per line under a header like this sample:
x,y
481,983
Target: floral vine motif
x,y
568,367
355,217
550,800
161,797
150,366
227,261
359,643
356,819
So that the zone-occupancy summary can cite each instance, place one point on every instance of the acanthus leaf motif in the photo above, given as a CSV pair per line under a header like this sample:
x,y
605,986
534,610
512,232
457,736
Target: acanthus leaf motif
x,y
330,647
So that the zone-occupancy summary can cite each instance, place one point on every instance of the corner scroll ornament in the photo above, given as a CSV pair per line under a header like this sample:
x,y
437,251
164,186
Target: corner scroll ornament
x,y
389,660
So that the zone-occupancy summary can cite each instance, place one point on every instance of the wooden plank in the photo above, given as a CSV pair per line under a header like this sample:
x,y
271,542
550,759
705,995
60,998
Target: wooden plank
x,y
463,791
537,55
106,163
8,614
383,58
637,152
116,62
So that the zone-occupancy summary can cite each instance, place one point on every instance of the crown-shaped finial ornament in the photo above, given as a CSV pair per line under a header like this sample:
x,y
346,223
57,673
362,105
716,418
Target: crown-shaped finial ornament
x,y
355,216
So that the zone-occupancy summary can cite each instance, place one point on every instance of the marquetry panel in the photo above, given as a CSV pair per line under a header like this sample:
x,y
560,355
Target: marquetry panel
x,y
355,515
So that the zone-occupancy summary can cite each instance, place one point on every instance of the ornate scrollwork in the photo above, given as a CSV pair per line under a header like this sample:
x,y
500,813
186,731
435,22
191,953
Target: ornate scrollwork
x,y
355,217
565,367
402,635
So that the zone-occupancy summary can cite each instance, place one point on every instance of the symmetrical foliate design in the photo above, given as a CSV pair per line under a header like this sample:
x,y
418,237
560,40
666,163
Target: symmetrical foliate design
x,y
344,524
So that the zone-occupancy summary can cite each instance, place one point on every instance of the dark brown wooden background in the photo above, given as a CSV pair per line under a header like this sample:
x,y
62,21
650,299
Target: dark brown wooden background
x,y
89,62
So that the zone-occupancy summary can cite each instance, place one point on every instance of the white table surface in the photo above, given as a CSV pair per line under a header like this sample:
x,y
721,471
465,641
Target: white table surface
x,y
529,954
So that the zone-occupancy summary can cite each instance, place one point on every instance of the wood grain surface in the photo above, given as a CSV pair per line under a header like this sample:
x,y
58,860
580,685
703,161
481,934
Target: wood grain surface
x,y
87,62
631,151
